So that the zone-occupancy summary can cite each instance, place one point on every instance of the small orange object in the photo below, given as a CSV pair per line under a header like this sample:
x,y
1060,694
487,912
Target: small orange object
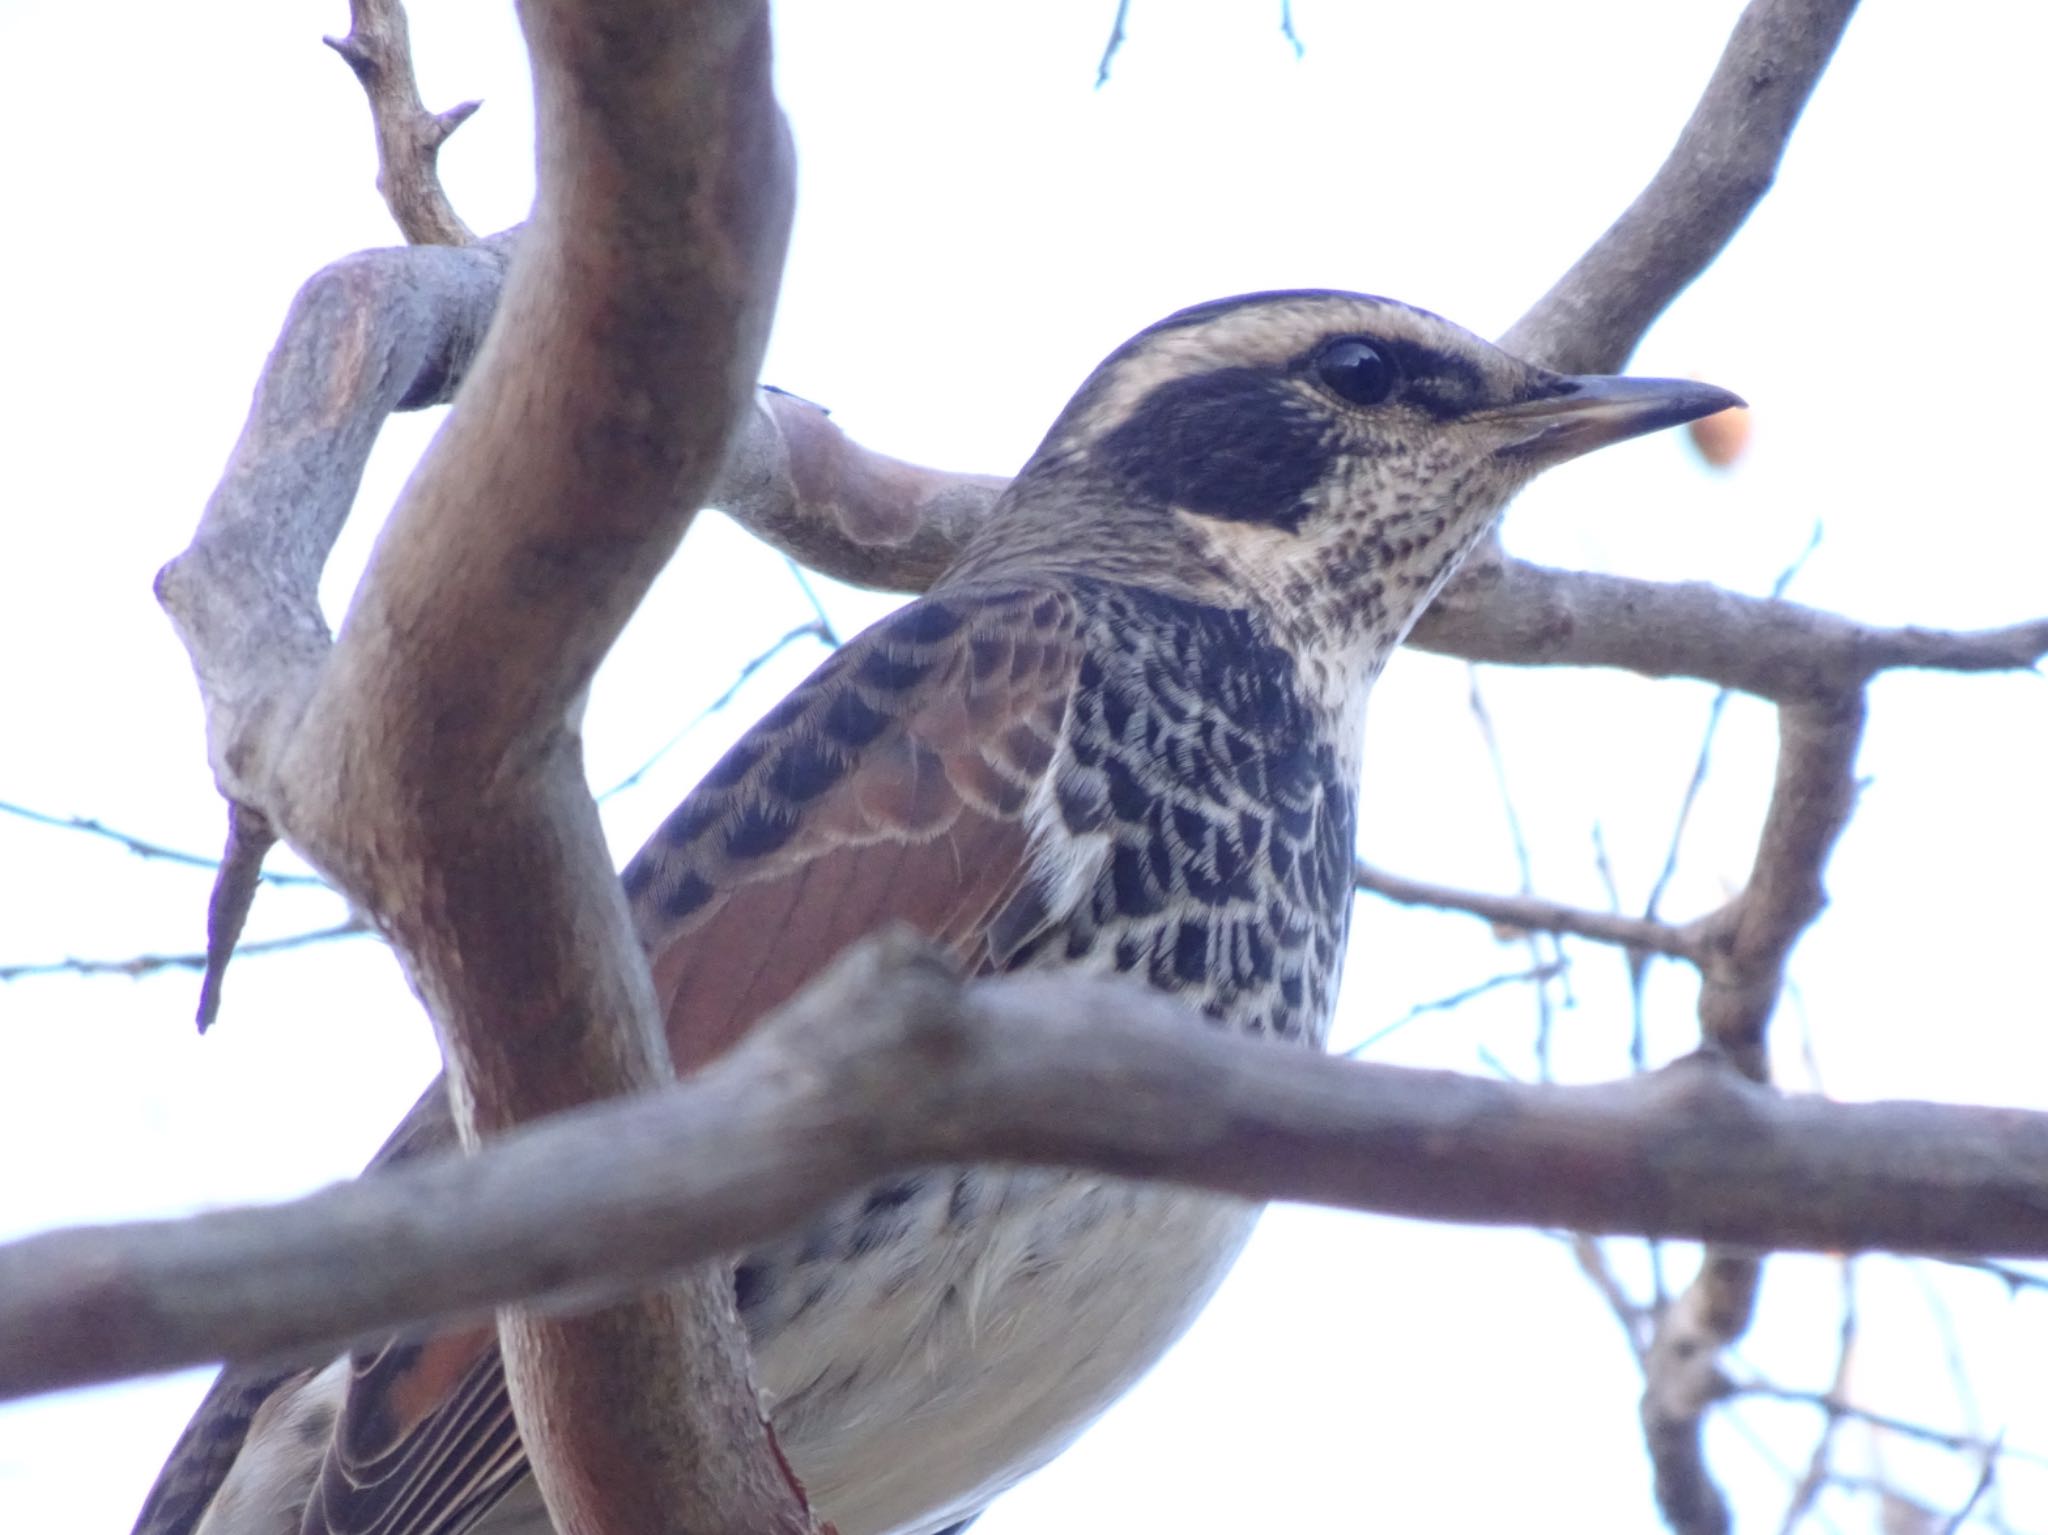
x,y
1721,438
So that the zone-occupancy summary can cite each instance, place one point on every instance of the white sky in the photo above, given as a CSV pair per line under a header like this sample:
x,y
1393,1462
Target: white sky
x,y
977,226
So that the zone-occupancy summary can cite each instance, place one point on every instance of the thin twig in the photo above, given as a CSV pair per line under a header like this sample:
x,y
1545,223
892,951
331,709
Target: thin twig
x,y
1951,1346
1455,1000
1116,41
827,631
142,847
251,836
138,965
1533,938
1698,781
1591,1257
1521,914
1766,1452
1985,1478
1905,1428
814,629
1686,802
2013,1278
1815,1478
1287,29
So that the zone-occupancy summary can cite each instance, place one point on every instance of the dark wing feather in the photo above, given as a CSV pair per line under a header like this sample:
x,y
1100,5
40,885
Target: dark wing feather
x,y
214,1437
208,1447
891,786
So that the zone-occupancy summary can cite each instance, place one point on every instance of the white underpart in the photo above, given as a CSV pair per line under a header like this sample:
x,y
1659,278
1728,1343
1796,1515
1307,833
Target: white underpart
x,y
1064,866
947,1409
990,1361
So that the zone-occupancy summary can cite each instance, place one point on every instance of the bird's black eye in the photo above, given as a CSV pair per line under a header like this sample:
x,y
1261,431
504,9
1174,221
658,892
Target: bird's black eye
x,y
1355,370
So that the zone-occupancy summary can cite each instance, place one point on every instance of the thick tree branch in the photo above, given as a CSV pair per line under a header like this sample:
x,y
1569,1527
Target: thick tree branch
x,y
889,1062
424,761
800,483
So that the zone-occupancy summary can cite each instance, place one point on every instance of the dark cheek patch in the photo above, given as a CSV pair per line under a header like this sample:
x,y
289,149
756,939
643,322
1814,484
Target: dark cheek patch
x,y
1233,443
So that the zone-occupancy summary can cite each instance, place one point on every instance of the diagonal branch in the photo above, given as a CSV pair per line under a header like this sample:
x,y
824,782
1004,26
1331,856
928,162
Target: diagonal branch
x,y
1719,170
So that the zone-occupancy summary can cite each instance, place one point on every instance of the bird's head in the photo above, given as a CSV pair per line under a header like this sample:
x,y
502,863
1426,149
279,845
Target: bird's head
x,y
1325,458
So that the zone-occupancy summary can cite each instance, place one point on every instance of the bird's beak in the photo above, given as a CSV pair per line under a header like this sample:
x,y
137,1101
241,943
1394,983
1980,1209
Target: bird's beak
x,y
1596,410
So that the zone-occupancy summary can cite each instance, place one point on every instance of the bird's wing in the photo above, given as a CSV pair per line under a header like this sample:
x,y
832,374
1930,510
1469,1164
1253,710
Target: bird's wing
x,y
207,1450
896,784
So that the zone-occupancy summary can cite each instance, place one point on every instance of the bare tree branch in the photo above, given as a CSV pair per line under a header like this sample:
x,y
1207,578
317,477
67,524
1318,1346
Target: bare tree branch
x,y
1719,170
409,137
1287,30
1985,1478
1836,1406
1748,944
1545,952
2014,1279
889,1062
1631,1314
1810,805
812,629
1522,614
1537,975
250,839
143,847
801,484
1116,41
1682,1379
424,759
1530,913
135,966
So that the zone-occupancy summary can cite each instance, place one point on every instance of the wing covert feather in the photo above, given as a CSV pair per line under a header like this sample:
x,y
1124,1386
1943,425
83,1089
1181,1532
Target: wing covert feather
x,y
893,786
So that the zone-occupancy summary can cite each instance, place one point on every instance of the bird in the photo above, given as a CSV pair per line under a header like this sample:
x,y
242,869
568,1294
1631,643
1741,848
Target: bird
x,y
1120,736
